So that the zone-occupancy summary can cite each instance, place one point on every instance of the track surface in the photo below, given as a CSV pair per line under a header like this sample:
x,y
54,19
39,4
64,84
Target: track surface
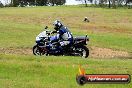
x,y
95,52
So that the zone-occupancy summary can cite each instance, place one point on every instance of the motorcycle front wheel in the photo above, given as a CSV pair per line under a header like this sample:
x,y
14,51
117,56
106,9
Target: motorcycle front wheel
x,y
36,50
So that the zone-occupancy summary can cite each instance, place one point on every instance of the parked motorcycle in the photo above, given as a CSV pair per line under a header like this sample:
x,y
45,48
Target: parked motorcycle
x,y
48,45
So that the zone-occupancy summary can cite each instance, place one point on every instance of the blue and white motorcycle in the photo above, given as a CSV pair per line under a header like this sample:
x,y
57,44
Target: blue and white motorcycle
x,y
49,45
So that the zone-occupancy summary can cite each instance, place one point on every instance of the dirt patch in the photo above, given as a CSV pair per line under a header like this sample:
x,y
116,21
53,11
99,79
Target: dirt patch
x,y
21,51
95,52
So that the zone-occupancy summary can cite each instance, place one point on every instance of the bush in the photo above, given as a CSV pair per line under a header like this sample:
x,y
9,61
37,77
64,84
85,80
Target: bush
x,y
9,5
1,5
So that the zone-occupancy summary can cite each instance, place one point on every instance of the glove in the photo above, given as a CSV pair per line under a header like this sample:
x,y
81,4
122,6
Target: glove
x,y
53,32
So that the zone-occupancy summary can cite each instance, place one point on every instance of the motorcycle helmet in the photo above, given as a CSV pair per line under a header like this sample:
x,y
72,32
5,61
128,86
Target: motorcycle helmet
x,y
57,25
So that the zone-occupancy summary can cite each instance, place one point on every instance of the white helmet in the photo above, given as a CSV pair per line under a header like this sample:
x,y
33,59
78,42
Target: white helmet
x,y
57,25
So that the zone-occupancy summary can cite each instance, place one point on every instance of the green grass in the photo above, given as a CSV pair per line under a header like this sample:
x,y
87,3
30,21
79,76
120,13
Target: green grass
x,y
109,28
18,71
112,41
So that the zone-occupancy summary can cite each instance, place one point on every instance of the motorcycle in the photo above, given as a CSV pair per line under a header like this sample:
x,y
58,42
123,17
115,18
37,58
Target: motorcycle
x,y
47,45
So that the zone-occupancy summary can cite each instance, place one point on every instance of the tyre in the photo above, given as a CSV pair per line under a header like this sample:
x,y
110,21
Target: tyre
x,y
36,50
83,51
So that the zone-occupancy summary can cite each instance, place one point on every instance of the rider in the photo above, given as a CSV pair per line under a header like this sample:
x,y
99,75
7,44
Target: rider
x,y
64,35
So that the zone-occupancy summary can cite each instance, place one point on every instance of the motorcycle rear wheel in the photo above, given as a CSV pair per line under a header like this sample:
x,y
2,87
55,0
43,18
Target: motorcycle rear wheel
x,y
83,51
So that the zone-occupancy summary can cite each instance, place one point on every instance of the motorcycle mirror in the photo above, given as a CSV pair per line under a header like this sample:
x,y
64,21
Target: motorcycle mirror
x,y
46,27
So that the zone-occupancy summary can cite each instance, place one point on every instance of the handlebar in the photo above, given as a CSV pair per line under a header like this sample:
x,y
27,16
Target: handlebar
x,y
48,32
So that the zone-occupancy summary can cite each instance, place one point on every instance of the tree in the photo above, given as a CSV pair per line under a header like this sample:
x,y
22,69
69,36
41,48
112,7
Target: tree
x,y
128,1
41,2
1,5
85,3
56,2
109,4
15,2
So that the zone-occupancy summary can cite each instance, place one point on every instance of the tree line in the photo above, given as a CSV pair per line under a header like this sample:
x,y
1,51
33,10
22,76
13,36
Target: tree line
x,y
99,3
109,3
36,2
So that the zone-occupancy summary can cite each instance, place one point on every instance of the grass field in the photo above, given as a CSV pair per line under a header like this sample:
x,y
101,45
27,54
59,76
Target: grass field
x,y
108,28
18,71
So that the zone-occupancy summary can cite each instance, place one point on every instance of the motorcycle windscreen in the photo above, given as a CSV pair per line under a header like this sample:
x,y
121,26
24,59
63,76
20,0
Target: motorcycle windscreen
x,y
42,34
